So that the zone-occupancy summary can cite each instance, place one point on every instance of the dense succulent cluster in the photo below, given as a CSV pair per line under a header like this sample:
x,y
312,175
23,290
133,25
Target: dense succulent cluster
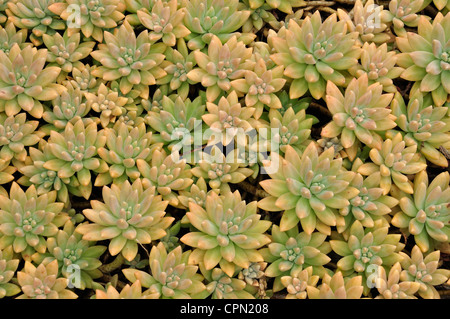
x,y
243,149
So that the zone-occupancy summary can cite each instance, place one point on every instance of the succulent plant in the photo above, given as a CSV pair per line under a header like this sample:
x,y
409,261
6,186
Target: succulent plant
x,y
259,16
358,114
293,251
293,129
27,219
134,60
393,161
365,248
75,256
123,147
171,276
197,193
25,81
83,79
128,292
404,13
91,17
75,152
129,216
167,174
8,267
65,51
426,213
369,204
15,134
309,189
228,119
69,106
165,22
335,287
9,36
181,63
36,16
42,282
370,20
298,281
220,170
177,122
228,233
222,286
424,270
206,18
315,52
379,64
424,125
259,87
390,287
426,58
222,64
254,273
107,102
46,180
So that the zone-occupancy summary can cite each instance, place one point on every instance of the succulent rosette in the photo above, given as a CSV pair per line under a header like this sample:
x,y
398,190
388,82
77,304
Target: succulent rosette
x,y
27,219
165,22
335,287
424,125
75,152
128,216
15,134
390,287
364,249
123,148
426,57
75,256
168,173
228,232
293,251
135,60
223,286
298,282
308,189
393,161
426,213
370,20
171,275
369,204
315,52
222,64
36,16
404,13
206,18
424,270
358,114
89,17
66,51
380,65
42,282
25,81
